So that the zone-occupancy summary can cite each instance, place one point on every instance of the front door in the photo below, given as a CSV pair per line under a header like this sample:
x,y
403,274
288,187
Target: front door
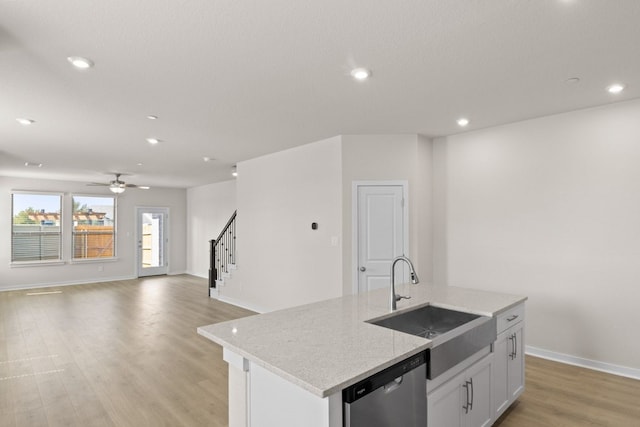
x,y
152,241
381,231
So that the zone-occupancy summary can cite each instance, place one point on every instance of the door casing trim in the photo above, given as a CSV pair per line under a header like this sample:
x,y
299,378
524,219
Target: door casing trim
x,y
354,221
167,248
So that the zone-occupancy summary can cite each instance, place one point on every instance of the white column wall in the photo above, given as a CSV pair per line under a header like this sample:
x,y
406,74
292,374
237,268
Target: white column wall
x,y
281,261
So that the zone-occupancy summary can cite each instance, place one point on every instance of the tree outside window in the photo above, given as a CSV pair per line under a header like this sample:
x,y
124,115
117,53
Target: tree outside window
x,y
36,231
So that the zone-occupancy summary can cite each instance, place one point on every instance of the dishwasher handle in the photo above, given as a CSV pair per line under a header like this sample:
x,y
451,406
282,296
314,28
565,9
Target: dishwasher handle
x,y
393,385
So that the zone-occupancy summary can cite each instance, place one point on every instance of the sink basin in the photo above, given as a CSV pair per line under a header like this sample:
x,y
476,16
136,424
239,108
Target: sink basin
x,y
456,335
427,322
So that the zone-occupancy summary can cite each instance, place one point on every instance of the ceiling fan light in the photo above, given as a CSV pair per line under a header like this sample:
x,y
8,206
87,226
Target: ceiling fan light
x,y
117,188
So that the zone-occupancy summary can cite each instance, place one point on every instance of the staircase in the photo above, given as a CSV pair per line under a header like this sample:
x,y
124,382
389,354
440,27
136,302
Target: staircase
x,y
222,256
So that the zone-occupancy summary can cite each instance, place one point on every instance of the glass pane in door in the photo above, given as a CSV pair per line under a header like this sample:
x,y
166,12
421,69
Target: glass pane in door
x,y
152,240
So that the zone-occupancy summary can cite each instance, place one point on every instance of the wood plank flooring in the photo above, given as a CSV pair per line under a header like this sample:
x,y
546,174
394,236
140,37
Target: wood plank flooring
x,y
127,354
122,353
562,395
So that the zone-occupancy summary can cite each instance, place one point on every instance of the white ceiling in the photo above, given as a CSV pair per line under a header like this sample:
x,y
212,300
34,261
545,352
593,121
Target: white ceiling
x,y
235,79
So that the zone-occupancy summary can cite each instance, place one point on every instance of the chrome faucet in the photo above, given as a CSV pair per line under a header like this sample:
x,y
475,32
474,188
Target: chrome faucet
x,y
414,279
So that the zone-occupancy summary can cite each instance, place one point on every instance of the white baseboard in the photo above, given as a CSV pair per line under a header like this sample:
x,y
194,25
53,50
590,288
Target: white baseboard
x,y
175,273
609,368
241,304
66,283
202,276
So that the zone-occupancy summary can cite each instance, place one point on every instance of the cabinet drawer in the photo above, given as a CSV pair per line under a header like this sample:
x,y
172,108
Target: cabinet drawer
x,y
510,317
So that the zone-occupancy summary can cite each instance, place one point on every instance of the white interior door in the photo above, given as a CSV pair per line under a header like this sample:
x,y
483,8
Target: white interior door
x,y
381,234
152,241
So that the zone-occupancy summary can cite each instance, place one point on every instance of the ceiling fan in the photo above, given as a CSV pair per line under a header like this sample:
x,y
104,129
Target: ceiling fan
x,y
117,186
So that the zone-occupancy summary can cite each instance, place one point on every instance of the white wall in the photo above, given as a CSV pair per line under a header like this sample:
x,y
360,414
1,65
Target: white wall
x,y
391,158
123,267
281,261
209,207
550,208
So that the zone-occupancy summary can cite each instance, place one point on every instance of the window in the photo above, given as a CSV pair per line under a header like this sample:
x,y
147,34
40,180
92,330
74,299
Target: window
x,y
36,228
93,227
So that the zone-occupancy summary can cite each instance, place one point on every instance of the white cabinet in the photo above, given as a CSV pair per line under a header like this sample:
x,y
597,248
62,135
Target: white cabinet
x,y
465,400
508,370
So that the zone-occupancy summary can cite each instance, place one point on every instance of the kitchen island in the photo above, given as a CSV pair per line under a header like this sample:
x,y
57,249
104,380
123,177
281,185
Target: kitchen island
x,y
290,366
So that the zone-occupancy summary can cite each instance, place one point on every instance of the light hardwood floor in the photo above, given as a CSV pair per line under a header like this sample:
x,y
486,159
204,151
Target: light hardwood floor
x,y
562,395
122,353
127,354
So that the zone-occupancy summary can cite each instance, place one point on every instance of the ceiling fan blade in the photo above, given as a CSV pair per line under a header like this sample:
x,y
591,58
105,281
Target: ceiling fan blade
x,y
131,185
98,183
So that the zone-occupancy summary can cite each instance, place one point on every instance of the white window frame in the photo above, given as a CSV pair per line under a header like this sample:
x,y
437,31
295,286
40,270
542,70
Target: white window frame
x,y
60,259
115,230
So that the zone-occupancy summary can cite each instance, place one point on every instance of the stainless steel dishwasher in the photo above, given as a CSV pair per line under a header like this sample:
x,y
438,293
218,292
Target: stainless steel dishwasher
x,y
394,397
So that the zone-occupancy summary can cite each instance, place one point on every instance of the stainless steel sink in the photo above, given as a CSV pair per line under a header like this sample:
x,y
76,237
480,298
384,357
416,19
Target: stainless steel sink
x,y
456,335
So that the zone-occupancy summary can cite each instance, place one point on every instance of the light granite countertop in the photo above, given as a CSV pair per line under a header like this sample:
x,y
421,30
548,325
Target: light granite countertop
x,y
326,346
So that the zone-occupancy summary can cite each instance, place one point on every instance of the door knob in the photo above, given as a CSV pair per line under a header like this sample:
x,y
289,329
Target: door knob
x,y
363,269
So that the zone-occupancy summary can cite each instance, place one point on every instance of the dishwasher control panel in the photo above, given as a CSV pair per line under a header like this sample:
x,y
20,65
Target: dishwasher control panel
x,y
362,388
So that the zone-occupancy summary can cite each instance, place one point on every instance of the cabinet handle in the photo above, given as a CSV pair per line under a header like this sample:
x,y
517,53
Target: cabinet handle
x,y
515,346
471,404
512,318
512,347
467,405
511,354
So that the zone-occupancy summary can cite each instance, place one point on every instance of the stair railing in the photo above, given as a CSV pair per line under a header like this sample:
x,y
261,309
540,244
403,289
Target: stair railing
x,y
222,251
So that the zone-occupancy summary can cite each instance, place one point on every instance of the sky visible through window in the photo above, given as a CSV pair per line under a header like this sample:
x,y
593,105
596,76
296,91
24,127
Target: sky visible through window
x,y
92,201
50,203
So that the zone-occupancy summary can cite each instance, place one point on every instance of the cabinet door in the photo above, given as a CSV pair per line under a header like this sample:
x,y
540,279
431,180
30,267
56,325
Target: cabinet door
x,y
481,411
444,407
515,372
501,395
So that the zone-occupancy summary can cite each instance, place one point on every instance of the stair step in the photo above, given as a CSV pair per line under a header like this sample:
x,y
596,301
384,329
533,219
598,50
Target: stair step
x,y
232,266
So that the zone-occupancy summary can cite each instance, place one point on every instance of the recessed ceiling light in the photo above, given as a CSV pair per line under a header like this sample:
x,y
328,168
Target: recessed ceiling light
x,y
80,63
140,164
206,159
462,121
615,88
25,122
152,117
33,164
360,73
153,141
573,80
143,187
234,171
